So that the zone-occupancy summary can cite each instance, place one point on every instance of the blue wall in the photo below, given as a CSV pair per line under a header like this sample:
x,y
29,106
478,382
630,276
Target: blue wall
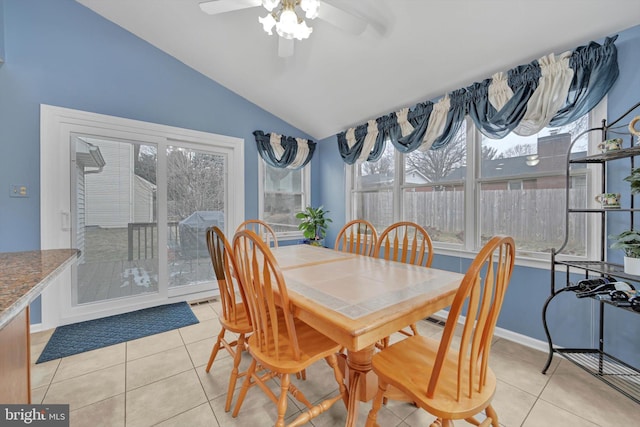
x,y
1,33
569,318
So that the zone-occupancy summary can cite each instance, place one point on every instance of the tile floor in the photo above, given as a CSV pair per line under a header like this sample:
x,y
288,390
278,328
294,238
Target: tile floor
x,y
160,380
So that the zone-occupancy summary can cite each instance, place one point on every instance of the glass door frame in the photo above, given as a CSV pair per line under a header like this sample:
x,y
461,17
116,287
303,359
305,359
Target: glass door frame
x,y
57,126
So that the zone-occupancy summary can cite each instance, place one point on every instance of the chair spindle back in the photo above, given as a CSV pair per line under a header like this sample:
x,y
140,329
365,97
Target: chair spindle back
x,y
358,237
405,242
482,289
266,294
221,254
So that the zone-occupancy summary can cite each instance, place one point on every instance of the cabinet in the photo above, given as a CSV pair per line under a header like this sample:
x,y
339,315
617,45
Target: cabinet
x,y
611,370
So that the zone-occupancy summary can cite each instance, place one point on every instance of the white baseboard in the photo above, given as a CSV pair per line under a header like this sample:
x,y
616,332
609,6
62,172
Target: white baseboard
x,y
36,327
506,334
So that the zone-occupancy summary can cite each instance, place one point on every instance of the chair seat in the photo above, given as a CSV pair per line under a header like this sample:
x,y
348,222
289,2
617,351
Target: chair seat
x,y
240,324
407,365
313,346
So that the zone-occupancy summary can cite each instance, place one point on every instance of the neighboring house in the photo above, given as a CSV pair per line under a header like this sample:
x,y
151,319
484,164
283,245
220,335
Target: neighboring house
x,y
548,161
116,196
414,176
89,160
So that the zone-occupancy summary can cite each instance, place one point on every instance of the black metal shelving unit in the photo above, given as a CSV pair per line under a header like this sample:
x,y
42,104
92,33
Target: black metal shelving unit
x,y
609,369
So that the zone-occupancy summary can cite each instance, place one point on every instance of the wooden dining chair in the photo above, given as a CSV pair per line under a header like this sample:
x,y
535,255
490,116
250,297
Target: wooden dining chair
x,y
358,237
280,343
454,381
235,316
409,243
262,229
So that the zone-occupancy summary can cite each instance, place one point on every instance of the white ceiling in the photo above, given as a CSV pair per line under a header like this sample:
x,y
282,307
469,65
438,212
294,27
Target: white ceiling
x,y
336,80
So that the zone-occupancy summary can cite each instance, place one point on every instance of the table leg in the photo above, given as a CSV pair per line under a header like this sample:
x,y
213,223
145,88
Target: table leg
x,y
362,381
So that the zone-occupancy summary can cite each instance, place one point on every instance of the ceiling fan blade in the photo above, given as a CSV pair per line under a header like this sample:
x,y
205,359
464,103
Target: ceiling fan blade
x,y
342,19
285,47
215,7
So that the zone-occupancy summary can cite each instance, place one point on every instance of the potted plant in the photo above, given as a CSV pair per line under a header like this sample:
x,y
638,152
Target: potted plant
x,y
629,242
314,224
634,180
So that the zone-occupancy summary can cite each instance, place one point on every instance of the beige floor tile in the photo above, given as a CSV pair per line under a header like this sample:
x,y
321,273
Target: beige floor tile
x,y
216,382
580,393
200,331
106,413
545,414
518,373
86,389
153,344
420,417
511,404
157,366
204,312
37,394
524,353
42,373
566,396
201,350
41,337
398,408
201,416
36,351
164,399
257,409
216,306
319,384
90,361
336,416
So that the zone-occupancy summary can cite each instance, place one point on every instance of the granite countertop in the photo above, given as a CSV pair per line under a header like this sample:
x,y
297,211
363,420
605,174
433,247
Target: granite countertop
x,y
23,275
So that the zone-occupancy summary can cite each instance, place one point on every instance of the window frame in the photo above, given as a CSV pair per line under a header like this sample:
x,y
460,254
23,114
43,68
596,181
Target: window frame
x,y
306,196
471,187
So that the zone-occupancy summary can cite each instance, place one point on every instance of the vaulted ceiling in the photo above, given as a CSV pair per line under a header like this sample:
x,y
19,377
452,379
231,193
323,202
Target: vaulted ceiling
x,y
410,51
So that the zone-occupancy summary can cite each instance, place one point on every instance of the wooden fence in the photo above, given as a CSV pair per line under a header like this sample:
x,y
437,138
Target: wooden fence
x,y
535,218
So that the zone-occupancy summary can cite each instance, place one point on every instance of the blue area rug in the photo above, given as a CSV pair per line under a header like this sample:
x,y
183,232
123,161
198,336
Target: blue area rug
x,y
92,334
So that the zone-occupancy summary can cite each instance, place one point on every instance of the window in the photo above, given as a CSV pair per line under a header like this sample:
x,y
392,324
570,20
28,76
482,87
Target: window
x,y
433,189
284,193
476,187
534,166
372,197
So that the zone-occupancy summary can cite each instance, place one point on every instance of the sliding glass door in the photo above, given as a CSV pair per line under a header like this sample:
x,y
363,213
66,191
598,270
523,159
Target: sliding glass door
x,y
196,194
115,220
136,199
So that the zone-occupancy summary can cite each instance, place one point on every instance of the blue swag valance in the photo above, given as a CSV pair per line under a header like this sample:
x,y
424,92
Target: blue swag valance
x,y
551,91
284,151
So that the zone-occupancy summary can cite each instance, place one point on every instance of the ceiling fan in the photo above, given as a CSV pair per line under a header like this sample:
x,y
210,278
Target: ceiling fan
x,y
345,19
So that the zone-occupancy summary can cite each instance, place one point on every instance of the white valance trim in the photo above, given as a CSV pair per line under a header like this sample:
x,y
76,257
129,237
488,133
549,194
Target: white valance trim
x,y
301,154
437,122
550,95
403,121
369,140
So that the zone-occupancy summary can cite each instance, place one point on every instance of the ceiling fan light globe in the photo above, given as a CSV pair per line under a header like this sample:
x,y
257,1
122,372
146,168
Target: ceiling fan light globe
x,y
268,22
310,8
270,4
303,31
287,24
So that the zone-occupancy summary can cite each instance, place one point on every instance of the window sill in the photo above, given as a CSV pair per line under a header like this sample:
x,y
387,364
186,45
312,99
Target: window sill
x,y
522,259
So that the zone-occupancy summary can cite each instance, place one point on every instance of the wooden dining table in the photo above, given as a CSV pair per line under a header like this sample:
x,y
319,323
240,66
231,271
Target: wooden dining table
x,y
358,300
